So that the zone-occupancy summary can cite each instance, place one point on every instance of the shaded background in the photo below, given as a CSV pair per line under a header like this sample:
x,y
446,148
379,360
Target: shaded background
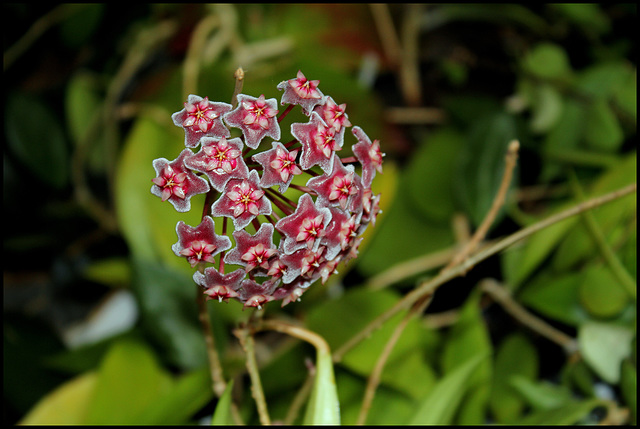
x,y
89,90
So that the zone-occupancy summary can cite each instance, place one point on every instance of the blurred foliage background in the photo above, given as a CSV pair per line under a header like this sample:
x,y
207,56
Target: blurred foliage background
x,y
100,321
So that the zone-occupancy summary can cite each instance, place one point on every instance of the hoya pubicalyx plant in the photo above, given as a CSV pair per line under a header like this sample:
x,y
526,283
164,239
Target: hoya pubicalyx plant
x,y
282,244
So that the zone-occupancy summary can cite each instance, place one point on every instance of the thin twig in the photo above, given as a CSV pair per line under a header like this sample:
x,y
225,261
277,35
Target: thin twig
x,y
217,379
409,71
388,35
498,201
376,374
502,296
191,64
248,345
431,285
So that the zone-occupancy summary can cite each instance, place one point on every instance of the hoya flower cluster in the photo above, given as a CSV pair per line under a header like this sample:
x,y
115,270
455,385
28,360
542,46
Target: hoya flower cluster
x,y
280,244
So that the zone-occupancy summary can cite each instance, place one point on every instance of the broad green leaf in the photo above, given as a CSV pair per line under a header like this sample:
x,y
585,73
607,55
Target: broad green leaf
x,y
589,16
601,293
601,80
570,413
323,407
168,312
441,403
604,346
625,96
222,414
429,175
66,405
147,223
82,103
547,61
467,338
112,271
603,131
541,395
35,137
188,394
482,162
555,296
515,356
129,380
564,137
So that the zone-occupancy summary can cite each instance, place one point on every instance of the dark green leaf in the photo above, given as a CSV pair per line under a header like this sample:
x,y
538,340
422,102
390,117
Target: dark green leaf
x,y
603,131
35,137
547,61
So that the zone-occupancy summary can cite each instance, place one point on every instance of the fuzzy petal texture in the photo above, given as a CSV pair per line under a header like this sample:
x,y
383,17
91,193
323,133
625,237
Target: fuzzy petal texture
x,y
256,118
253,251
199,244
221,160
368,154
242,200
201,118
301,91
319,142
304,227
279,166
176,183
219,286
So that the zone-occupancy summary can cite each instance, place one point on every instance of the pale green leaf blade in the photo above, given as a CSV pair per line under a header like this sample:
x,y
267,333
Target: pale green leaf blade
x,y
222,414
323,407
440,405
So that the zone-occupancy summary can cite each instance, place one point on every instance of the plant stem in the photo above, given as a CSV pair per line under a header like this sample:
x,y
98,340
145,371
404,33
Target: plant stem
x,y
431,285
248,345
498,201
616,267
217,379
502,296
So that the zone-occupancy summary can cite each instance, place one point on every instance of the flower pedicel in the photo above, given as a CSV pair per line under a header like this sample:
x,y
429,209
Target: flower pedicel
x,y
281,245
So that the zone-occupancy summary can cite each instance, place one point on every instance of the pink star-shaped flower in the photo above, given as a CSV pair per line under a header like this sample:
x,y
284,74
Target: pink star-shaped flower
x,y
339,231
221,160
337,188
175,183
242,200
255,294
279,166
253,251
368,154
291,292
301,91
319,142
305,226
333,114
256,117
199,244
201,118
219,286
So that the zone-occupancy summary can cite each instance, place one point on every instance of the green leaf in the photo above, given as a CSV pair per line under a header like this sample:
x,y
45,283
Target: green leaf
x,y
601,293
481,165
589,16
112,271
547,61
222,414
35,137
339,319
555,296
602,80
323,407
188,394
604,346
168,312
147,223
540,395
66,405
129,380
603,131
430,173
516,356
440,405
568,414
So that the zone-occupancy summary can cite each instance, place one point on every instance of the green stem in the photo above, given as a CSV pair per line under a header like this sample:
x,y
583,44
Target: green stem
x,y
616,267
